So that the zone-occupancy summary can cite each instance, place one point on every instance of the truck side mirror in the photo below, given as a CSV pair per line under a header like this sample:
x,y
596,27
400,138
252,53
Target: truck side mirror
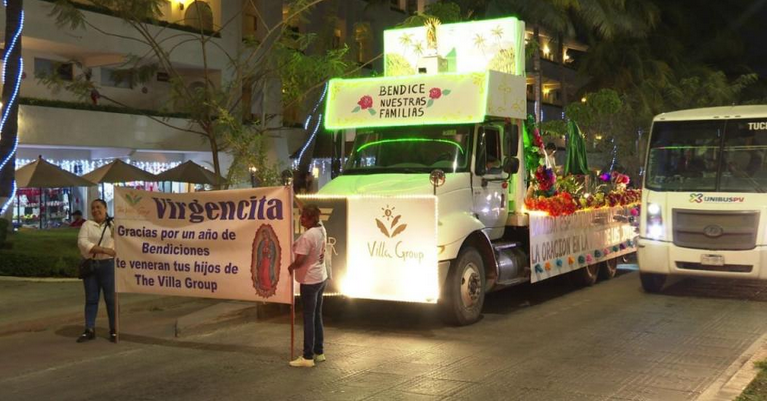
x,y
512,165
513,137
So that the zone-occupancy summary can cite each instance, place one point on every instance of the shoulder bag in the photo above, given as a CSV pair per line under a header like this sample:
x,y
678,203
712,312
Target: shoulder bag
x,y
86,267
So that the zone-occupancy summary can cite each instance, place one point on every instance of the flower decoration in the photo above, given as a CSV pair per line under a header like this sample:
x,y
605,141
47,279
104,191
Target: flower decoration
x,y
548,266
436,93
365,103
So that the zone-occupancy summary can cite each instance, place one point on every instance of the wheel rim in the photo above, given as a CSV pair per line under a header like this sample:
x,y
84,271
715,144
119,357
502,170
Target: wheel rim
x,y
593,270
471,285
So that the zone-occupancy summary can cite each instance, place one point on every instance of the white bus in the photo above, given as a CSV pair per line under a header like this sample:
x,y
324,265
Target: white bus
x,y
704,201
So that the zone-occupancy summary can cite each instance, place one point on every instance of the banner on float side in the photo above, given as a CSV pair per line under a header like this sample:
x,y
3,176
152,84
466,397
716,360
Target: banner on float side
x,y
233,244
561,244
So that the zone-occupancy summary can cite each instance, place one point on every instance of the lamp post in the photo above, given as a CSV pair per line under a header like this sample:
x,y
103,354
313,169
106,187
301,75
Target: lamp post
x,y
253,179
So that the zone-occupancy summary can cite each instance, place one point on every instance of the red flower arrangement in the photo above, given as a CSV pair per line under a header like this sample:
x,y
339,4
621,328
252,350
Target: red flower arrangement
x,y
560,204
435,93
545,178
563,202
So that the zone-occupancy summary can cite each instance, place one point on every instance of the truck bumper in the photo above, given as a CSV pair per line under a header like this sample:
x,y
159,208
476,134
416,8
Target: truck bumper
x,y
665,258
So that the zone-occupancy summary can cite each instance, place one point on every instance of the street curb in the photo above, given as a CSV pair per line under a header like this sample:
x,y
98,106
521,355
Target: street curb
x,y
41,324
36,279
225,313
736,378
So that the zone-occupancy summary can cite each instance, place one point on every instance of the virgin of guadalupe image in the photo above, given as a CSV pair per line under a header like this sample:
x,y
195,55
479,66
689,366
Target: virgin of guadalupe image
x,y
265,260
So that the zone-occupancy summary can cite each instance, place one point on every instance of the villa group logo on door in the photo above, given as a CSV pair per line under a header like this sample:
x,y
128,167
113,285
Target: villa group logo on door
x,y
390,230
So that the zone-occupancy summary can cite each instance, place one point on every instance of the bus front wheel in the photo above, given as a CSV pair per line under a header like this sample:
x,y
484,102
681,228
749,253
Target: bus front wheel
x,y
652,283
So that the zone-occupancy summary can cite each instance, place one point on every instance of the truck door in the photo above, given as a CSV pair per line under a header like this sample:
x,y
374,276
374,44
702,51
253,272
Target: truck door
x,y
489,192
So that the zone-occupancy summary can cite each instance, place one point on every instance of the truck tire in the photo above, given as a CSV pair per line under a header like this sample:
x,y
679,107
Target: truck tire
x,y
464,290
608,269
652,283
586,276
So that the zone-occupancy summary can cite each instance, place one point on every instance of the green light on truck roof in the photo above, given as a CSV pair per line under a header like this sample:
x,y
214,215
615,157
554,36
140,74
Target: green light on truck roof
x,y
410,140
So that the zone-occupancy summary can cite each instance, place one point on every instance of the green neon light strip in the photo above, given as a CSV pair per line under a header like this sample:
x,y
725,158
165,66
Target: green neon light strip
x,y
673,147
410,140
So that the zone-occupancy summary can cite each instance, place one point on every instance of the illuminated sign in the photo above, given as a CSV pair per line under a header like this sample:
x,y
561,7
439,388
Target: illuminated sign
x,y
465,47
389,101
424,99
393,253
382,248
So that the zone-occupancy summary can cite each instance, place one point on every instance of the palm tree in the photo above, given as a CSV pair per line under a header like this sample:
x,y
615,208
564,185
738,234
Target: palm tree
x,y
9,132
563,18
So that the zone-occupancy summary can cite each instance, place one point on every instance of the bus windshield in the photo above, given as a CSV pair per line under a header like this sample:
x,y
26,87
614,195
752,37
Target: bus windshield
x,y
411,149
708,155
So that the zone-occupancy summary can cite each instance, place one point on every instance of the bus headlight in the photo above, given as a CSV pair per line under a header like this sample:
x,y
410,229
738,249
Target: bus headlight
x,y
655,229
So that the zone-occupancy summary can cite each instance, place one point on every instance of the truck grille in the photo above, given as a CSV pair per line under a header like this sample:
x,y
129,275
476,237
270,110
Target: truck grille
x,y
724,268
715,230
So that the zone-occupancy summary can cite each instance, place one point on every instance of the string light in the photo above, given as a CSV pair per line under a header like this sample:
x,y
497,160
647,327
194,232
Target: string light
x,y
83,166
319,122
11,103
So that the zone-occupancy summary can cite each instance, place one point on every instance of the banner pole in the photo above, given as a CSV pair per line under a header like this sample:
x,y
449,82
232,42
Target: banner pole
x,y
292,283
292,318
117,317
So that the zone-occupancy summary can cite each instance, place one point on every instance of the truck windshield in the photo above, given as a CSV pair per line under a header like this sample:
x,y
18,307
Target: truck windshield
x,y
708,155
418,149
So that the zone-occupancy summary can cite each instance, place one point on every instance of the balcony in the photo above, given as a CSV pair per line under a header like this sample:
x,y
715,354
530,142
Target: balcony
x,y
42,34
63,127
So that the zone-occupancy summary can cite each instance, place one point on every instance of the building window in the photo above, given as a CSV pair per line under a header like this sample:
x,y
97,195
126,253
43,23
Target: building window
x,y
412,7
45,67
199,15
362,38
291,24
112,77
336,39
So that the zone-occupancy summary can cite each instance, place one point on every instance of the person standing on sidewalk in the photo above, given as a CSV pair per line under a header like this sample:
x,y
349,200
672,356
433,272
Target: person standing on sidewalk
x,y
310,271
96,242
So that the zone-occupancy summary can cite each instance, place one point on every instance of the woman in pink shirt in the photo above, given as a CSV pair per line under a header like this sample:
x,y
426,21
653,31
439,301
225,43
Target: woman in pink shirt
x,y
310,271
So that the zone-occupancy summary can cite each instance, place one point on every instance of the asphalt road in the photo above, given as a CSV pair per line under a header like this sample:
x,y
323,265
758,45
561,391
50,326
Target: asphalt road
x,y
536,342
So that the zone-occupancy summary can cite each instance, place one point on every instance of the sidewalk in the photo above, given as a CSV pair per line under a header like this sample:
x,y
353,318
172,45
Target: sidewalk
x,y
29,304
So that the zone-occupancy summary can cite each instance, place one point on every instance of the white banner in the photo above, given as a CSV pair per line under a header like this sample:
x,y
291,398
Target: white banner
x,y
398,101
565,243
232,244
392,249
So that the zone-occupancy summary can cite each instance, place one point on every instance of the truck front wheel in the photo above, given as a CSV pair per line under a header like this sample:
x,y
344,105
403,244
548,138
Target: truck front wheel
x,y
586,276
464,289
652,283
608,269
